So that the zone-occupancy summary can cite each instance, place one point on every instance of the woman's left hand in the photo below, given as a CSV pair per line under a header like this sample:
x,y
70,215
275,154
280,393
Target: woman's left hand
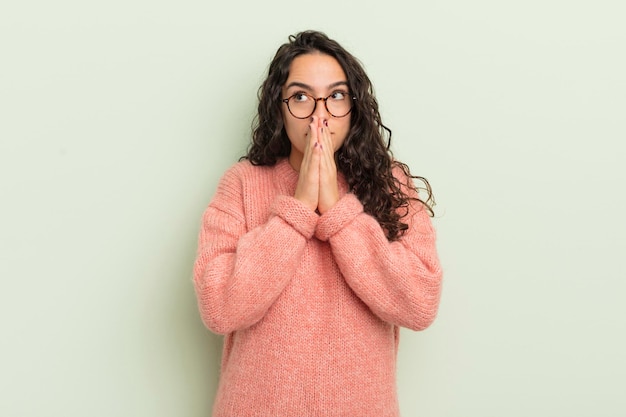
x,y
328,187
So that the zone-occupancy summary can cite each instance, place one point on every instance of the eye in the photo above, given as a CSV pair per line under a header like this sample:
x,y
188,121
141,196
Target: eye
x,y
300,97
339,95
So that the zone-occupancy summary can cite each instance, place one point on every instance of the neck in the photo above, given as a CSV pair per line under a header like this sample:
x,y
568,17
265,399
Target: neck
x,y
295,160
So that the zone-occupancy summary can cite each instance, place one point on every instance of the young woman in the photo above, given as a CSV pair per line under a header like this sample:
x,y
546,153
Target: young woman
x,y
316,248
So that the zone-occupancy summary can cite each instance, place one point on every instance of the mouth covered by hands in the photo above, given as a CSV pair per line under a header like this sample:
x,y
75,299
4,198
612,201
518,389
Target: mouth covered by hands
x,y
317,184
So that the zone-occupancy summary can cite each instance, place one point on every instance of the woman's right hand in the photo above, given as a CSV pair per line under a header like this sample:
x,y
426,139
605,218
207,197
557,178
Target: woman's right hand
x,y
307,189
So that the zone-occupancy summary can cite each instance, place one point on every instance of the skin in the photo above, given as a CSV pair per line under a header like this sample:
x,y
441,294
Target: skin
x,y
314,141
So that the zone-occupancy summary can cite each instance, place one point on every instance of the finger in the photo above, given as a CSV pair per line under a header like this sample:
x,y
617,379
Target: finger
x,y
328,169
325,136
328,186
311,137
327,147
308,181
313,131
310,144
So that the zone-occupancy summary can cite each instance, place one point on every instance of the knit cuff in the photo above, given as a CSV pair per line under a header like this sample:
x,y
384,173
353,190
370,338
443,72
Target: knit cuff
x,y
296,214
341,214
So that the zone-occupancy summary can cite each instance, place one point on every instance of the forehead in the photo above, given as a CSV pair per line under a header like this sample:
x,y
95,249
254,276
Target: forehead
x,y
316,70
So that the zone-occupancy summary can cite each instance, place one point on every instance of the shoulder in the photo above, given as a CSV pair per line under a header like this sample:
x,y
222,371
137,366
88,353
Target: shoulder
x,y
245,171
241,181
245,177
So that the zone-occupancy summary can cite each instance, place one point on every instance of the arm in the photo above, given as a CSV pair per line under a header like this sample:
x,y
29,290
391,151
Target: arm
x,y
239,274
399,281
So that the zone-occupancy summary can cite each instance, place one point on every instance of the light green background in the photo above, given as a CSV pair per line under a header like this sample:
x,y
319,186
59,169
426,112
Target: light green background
x,y
117,119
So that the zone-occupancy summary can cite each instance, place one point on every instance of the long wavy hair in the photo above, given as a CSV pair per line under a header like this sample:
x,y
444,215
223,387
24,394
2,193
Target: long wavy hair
x,y
364,159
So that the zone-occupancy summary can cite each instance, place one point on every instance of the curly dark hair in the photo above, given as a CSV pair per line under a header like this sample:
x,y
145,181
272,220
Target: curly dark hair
x,y
364,159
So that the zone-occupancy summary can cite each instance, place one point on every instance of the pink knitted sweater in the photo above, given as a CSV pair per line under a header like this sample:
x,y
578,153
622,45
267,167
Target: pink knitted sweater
x,y
309,305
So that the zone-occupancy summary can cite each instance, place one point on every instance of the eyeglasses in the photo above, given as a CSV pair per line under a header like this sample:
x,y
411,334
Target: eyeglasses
x,y
302,105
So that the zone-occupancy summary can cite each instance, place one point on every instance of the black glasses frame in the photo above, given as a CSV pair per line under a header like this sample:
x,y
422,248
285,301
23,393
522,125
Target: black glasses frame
x,y
315,100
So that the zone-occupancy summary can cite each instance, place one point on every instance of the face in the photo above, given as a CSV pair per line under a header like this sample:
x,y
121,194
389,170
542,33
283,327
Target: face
x,y
319,75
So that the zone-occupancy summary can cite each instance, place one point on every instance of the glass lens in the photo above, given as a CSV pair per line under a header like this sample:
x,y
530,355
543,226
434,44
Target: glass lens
x,y
339,103
301,105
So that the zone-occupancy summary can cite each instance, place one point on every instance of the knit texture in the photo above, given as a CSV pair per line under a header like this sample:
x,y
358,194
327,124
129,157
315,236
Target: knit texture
x,y
310,305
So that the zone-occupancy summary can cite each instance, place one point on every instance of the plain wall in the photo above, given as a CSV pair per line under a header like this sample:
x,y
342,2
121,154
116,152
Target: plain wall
x,y
118,118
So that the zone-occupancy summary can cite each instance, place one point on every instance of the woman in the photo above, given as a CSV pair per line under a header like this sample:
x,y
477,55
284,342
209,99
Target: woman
x,y
315,248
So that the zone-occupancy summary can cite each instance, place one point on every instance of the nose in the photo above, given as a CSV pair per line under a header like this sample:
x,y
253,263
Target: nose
x,y
320,109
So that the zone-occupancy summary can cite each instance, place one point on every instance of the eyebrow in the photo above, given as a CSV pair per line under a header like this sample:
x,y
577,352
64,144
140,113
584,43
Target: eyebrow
x,y
308,87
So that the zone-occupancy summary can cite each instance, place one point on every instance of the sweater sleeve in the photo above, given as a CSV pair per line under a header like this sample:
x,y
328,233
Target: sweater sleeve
x,y
399,281
239,273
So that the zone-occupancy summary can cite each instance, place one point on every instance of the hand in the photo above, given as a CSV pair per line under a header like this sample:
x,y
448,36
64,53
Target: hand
x,y
317,182
307,189
328,188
